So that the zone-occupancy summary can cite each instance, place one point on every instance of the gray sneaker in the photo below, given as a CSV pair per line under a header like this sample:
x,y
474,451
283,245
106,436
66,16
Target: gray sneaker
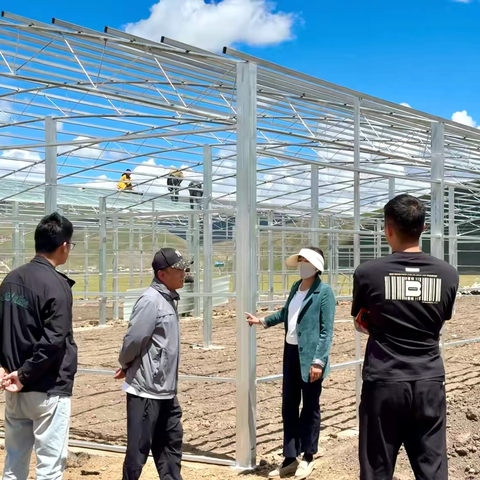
x,y
282,472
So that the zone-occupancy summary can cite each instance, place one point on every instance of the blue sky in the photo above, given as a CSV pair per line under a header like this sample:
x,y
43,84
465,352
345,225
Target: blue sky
x,y
423,52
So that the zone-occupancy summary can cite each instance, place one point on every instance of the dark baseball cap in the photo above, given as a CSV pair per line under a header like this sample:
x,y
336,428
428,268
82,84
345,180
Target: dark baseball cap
x,y
169,257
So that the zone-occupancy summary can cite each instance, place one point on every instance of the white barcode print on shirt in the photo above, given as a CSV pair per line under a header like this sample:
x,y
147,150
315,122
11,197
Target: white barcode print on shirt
x,y
418,288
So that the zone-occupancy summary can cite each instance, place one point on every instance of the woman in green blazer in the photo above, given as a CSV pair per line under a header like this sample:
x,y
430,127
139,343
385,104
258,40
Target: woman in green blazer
x,y
308,318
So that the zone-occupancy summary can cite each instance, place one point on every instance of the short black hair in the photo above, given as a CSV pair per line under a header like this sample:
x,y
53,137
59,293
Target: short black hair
x,y
406,214
52,231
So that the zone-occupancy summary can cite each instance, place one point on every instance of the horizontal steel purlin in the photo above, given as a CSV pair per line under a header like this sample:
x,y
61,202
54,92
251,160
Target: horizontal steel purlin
x,y
119,449
185,378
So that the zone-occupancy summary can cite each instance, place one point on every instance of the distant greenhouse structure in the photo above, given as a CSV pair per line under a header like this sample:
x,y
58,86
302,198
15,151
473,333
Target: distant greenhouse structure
x,y
284,160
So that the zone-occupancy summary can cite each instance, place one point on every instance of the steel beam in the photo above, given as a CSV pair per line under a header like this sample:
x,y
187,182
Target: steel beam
x,y
271,258
50,165
452,229
356,238
102,261
115,283
314,203
437,195
15,237
247,248
207,247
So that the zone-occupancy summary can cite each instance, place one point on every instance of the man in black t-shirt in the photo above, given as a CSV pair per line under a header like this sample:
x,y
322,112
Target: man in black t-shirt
x,y
408,296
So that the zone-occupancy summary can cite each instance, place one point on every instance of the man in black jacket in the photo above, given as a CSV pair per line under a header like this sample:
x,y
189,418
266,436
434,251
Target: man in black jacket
x,y
38,355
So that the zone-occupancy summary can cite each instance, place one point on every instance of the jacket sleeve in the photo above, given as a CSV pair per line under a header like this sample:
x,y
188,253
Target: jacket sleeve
x,y
274,319
57,326
327,309
140,330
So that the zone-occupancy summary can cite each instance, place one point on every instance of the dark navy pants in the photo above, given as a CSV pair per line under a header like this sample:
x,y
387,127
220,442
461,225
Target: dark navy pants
x,y
301,430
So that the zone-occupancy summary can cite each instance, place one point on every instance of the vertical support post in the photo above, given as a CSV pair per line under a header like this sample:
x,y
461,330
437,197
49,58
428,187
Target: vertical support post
x,y
115,268
102,263
15,236
207,247
391,188
314,204
50,165
196,265
391,194
85,263
154,230
234,259
140,247
452,229
378,239
23,244
247,249
437,196
271,260
259,281
284,277
330,252
356,237
131,239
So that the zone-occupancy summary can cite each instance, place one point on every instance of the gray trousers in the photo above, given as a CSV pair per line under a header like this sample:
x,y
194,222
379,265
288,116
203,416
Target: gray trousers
x,y
36,420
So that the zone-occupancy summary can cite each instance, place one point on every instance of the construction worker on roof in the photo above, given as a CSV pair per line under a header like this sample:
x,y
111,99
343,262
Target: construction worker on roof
x,y
125,183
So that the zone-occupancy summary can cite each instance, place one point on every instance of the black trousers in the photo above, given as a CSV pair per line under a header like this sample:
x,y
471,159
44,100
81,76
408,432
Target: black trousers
x,y
301,431
153,425
408,413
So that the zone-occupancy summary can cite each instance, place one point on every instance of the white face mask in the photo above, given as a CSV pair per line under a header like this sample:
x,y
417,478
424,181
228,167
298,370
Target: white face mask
x,y
306,270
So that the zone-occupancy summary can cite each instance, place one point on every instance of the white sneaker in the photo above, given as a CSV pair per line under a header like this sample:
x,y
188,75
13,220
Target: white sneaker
x,y
282,472
304,469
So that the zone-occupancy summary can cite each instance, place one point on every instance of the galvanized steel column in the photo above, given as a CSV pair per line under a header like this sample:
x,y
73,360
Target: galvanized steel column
x,y
131,264
247,249
207,247
50,165
196,264
15,236
314,203
102,261
271,260
356,236
115,268
437,196
452,229
85,263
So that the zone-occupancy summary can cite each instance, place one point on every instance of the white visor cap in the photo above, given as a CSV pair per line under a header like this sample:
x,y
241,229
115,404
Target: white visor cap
x,y
313,257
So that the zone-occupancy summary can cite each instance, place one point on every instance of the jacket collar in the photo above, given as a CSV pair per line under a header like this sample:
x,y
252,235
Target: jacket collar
x,y
163,289
314,289
43,261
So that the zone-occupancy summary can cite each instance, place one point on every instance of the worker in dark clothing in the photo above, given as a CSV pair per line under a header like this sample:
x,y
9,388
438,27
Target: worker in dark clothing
x,y
196,194
38,355
174,181
402,301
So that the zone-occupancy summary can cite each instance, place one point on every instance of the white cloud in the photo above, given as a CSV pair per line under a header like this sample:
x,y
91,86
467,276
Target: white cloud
x,y
13,160
463,1
405,105
464,118
216,24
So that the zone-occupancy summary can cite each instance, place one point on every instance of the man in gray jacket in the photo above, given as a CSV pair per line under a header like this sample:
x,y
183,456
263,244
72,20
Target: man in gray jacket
x,y
149,363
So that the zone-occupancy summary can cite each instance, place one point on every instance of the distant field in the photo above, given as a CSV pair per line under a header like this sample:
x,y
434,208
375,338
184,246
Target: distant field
x,y
343,288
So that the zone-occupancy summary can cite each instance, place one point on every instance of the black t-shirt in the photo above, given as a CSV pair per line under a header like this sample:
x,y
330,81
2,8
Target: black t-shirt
x,y
409,297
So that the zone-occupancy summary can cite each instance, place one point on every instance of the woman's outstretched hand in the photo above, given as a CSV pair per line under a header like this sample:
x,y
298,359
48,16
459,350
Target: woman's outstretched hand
x,y
252,319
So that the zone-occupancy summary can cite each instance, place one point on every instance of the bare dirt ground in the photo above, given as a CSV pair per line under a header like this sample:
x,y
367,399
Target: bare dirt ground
x,y
209,408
